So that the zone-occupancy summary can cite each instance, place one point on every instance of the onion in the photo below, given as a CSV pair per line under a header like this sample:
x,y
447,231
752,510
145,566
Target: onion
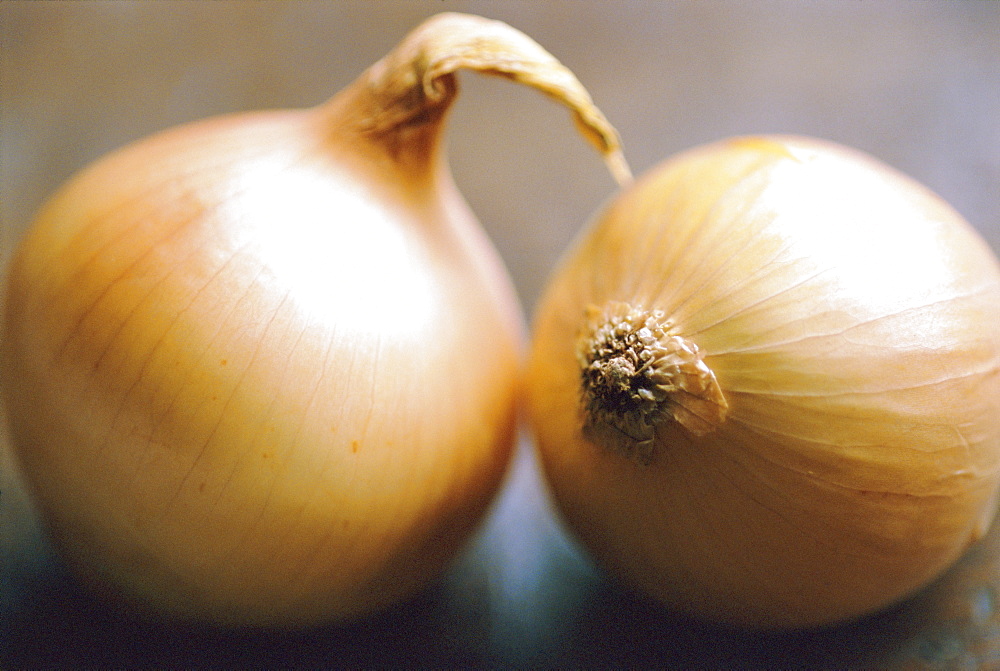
x,y
764,384
262,369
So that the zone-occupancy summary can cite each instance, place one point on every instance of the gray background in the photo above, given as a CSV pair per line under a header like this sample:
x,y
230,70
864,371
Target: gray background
x,y
915,83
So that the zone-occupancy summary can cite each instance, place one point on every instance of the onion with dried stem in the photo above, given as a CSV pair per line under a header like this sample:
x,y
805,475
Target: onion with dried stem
x,y
244,358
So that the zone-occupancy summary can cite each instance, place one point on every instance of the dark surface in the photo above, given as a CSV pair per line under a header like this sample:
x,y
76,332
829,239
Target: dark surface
x,y
521,597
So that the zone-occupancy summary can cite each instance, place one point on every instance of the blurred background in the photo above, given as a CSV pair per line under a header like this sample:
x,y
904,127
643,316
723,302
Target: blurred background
x,y
917,84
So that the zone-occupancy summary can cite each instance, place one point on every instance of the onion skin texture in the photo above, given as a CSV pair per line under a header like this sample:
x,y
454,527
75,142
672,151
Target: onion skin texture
x,y
849,317
243,391
263,370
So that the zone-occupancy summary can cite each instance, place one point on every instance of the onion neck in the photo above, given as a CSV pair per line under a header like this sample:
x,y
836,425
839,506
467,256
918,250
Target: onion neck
x,y
399,103
639,376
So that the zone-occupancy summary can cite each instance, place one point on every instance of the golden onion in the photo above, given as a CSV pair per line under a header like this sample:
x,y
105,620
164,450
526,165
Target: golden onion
x,y
764,384
244,359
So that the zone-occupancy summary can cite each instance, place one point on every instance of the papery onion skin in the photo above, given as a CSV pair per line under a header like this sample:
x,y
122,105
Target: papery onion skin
x,y
849,317
263,370
246,393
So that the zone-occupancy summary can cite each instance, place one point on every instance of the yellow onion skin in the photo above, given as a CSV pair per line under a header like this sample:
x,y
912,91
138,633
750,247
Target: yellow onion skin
x,y
261,372
849,317
264,370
